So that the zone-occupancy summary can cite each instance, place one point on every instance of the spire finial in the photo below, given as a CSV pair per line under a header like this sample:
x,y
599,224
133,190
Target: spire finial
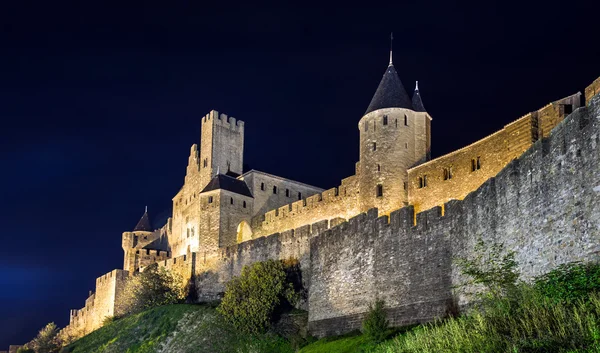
x,y
146,210
391,46
417,86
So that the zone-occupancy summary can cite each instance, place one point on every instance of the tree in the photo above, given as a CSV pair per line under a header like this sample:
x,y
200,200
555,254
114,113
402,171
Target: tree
x,y
155,286
251,300
46,341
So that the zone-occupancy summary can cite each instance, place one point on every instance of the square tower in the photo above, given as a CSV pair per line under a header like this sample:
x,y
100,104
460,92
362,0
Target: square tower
x,y
221,146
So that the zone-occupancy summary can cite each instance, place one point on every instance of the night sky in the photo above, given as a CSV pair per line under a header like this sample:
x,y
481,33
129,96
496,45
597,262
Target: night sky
x,y
100,103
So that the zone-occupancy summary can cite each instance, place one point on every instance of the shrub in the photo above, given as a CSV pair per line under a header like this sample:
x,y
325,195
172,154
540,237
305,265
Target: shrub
x,y
570,282
25,350
252,299
375,324
46,341
491,267
153,287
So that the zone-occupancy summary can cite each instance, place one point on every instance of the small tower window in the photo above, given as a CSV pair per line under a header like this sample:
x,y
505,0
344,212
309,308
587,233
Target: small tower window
x,y
405,120
424,180
274,189
210,199
405,145
447,173
244,204
379,190
374,146
475,164
231,200
287,192
262,186
205,162
366,126
299,196
379,167
396,122
405,185
385,120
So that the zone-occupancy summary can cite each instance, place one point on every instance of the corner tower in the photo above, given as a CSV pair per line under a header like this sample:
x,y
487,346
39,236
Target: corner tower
x,y
394,136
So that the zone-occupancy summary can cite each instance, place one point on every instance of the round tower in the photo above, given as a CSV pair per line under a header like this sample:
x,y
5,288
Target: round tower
x,y
394,136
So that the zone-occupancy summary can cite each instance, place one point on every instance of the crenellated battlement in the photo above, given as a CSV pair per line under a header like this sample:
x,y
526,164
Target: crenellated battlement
x,y
223,120
112,275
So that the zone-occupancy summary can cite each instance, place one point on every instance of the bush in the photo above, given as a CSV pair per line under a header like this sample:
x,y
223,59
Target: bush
x,y
375,324
252,300
25,350
491,268
153,287
46,341
570,282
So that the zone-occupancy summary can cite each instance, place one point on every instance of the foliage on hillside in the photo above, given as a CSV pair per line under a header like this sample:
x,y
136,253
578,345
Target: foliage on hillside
x,y
155,286
252,299
180,328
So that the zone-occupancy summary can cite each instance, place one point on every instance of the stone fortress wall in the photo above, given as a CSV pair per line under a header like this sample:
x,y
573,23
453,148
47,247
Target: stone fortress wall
x,y
348,258
455,175
545,206
99,305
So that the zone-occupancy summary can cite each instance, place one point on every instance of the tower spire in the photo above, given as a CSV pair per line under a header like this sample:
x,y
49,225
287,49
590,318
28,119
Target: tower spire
x,y
391,46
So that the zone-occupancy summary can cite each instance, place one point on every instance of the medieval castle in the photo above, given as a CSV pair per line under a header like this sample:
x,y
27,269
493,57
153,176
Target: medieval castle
x,y
389,231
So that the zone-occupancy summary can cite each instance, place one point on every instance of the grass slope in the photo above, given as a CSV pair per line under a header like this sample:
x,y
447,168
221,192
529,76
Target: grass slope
x,y
174,329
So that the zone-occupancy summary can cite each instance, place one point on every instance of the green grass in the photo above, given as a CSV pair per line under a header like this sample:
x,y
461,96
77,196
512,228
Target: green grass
x,y
351,343
175,328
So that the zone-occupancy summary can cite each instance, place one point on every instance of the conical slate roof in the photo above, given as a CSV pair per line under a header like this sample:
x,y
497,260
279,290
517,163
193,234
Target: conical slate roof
x,y
417,102
390,93
144,224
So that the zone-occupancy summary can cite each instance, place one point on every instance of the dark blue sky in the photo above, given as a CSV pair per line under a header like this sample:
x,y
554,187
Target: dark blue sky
x,y
100,102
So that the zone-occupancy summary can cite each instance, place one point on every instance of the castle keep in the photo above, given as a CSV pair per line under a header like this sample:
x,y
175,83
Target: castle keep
x,y
389,231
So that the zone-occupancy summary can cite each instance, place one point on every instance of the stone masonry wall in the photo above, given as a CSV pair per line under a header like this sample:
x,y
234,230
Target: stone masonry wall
x,y
340,202
544,205
99,305
456,174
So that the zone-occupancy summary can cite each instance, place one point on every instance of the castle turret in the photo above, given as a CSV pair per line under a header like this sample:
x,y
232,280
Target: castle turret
x,y
394,136
417,102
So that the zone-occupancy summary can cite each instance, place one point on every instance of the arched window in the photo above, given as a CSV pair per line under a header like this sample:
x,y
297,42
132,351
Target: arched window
x,y
374,146
231,200
262,186
379,190
405,120
379,167
385,120
299,196
244,232
244,204
287,192
210,199
274,189
420,182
